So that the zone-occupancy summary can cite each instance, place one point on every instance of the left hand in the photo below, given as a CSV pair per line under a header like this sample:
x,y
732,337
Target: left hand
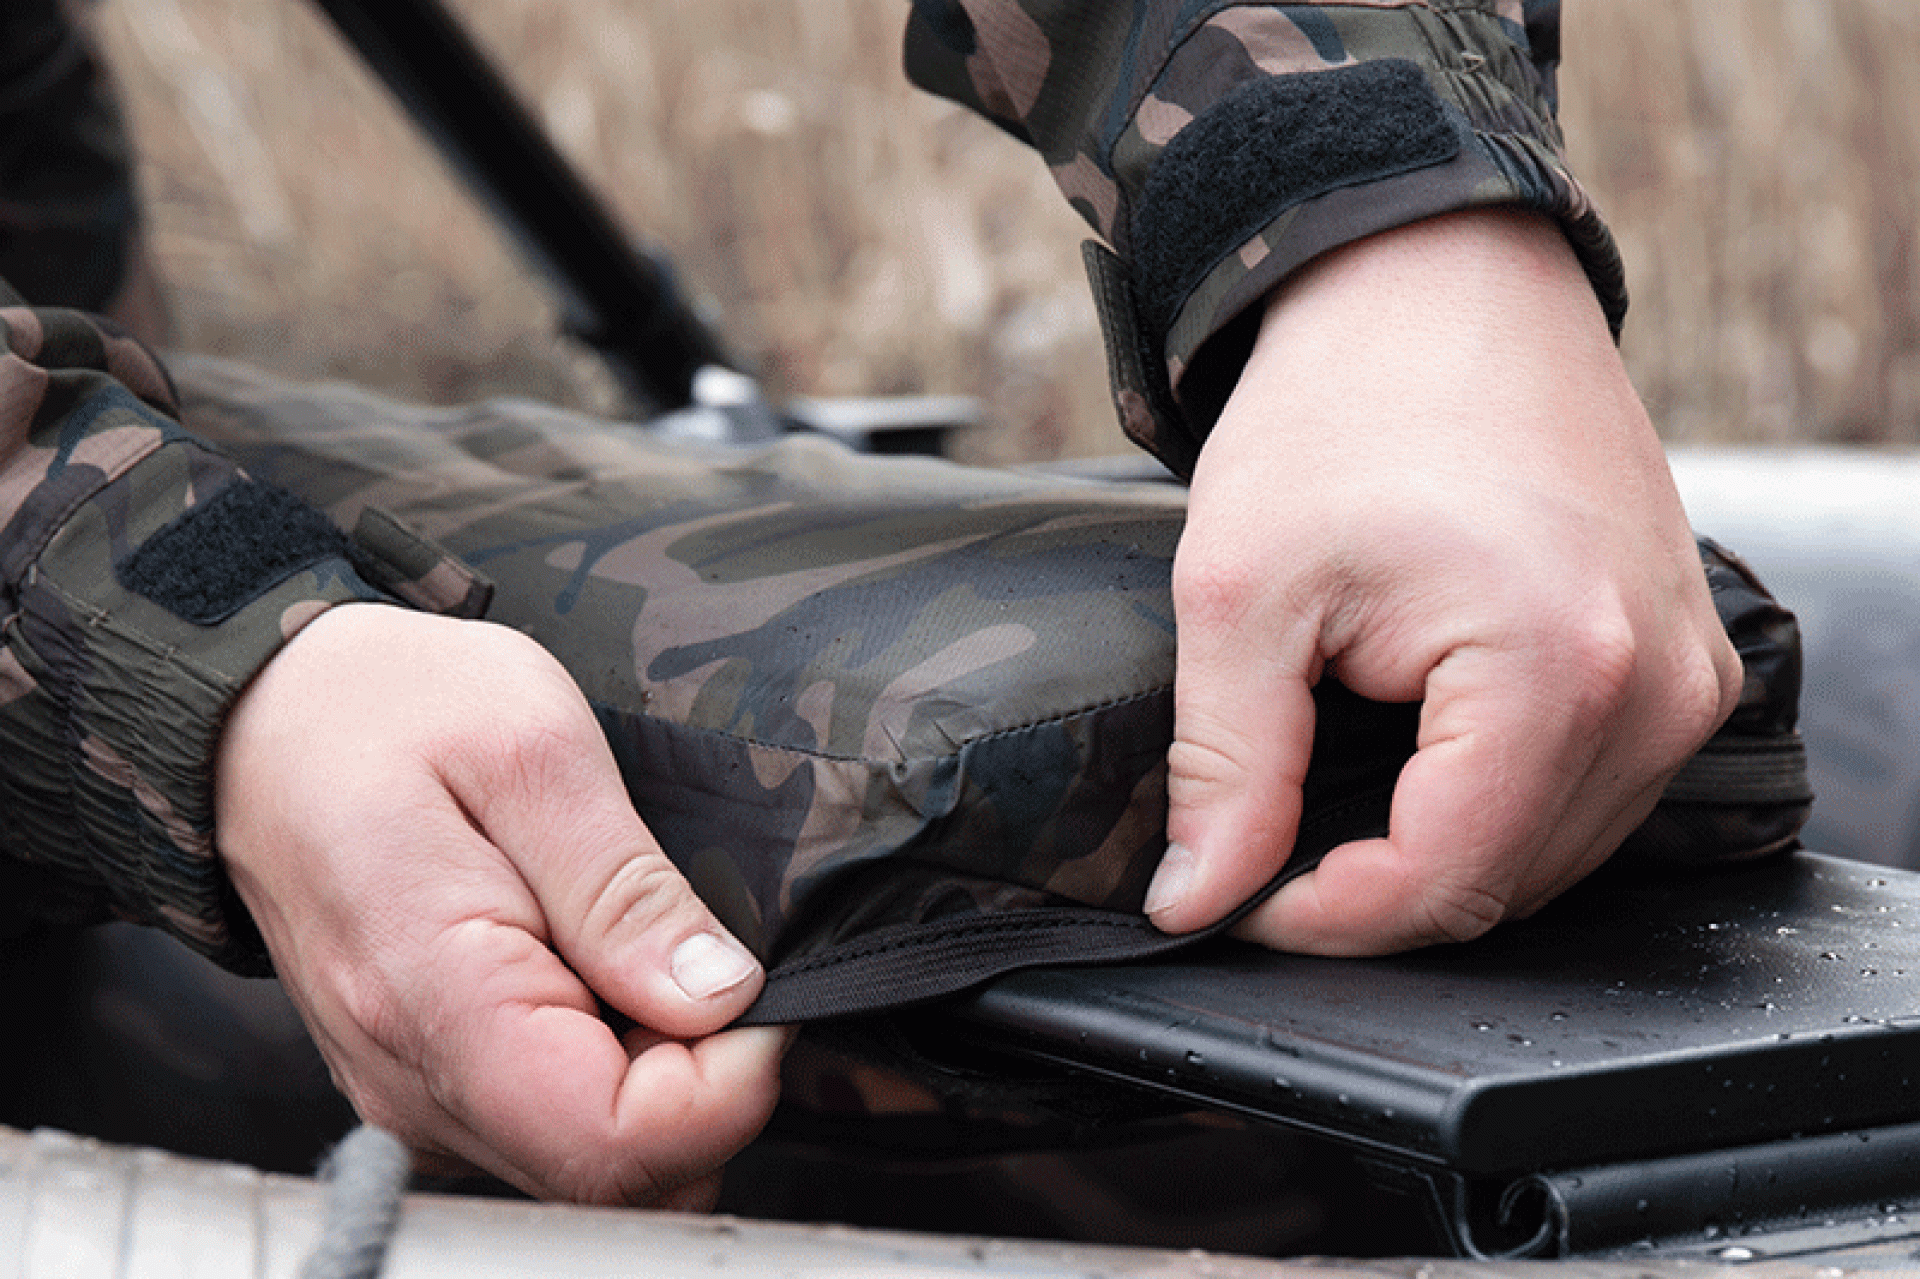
x,y
426,822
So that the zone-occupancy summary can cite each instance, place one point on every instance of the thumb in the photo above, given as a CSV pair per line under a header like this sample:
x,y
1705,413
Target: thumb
x,y
1243,733
617,909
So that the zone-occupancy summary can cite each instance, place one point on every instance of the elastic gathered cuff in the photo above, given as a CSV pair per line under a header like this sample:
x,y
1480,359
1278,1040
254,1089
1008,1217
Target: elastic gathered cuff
x,y
152,602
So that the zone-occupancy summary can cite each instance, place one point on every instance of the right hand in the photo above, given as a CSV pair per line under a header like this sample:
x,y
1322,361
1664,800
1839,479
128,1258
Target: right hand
x,y
1433,481
428,827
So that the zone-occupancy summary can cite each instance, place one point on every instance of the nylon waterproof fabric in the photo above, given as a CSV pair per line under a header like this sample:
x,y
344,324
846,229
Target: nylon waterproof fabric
x,y
902,723
111,702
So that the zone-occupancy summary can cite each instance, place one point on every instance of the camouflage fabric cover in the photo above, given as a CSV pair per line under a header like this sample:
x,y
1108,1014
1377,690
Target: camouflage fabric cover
x,y
871,706
110,705
847,693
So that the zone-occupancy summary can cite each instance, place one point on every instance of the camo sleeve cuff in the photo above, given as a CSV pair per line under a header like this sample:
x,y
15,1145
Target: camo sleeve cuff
x,y
144,579
1416,118
1219,148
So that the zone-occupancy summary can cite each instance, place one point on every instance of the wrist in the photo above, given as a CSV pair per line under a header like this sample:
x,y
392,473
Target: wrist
x,y
1485,316
1484,262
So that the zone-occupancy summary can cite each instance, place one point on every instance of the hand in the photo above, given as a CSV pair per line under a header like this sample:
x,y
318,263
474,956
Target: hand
x,y
427,825
1435,482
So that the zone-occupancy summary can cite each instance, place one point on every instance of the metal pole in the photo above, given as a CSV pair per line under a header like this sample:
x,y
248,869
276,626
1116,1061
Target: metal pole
x,y
617,298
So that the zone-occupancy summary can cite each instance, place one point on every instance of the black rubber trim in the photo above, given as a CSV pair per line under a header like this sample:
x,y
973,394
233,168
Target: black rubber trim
x,y
908,964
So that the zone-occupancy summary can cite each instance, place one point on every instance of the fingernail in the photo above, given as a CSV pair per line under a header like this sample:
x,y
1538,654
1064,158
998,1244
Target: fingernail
x,y
705,965
1171,881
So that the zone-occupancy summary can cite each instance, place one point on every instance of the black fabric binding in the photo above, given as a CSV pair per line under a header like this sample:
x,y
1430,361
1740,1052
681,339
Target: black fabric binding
x,y
907,964
913,963
1737,771
1136,372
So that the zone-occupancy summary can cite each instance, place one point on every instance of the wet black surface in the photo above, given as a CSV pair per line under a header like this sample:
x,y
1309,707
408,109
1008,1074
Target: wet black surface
x,y
1639,1016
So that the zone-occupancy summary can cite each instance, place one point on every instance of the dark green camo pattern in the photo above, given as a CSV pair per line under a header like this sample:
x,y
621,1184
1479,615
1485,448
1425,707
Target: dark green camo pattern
x,y
1100,90
808,661
852,692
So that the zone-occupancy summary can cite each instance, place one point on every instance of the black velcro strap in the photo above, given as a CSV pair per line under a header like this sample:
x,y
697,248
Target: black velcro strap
x,y
1262,149
207,563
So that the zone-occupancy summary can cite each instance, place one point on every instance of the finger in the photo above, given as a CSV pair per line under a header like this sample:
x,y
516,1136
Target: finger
x,y
616,908
1481,819
1560,871
1243,733
1664,723
695,1196
541,1092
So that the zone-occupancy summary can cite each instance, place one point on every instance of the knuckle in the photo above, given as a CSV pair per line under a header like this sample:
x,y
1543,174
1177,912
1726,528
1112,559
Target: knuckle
x,y
1199,771
526,757
1730,673
1600,655
1213,590
543,748
1462,912
364,1003
640,893
1706,688
372,1008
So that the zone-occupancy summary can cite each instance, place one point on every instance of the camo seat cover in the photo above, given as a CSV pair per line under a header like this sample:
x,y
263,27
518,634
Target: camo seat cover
x,y
846,692
902,723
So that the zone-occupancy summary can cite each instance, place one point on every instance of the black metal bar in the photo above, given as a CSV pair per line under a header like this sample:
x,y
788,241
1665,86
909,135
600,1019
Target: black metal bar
x,y
1808,1194
617,298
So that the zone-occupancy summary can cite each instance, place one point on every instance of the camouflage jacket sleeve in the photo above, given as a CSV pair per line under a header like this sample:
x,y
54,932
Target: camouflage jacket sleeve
x,y
1218,147
143,580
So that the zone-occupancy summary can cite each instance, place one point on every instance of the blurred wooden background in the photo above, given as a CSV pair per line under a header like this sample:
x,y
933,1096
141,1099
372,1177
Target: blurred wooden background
x,y
1759,160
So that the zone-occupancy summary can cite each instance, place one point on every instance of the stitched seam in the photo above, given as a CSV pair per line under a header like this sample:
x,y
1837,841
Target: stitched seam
x,y
1062,718
93,615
